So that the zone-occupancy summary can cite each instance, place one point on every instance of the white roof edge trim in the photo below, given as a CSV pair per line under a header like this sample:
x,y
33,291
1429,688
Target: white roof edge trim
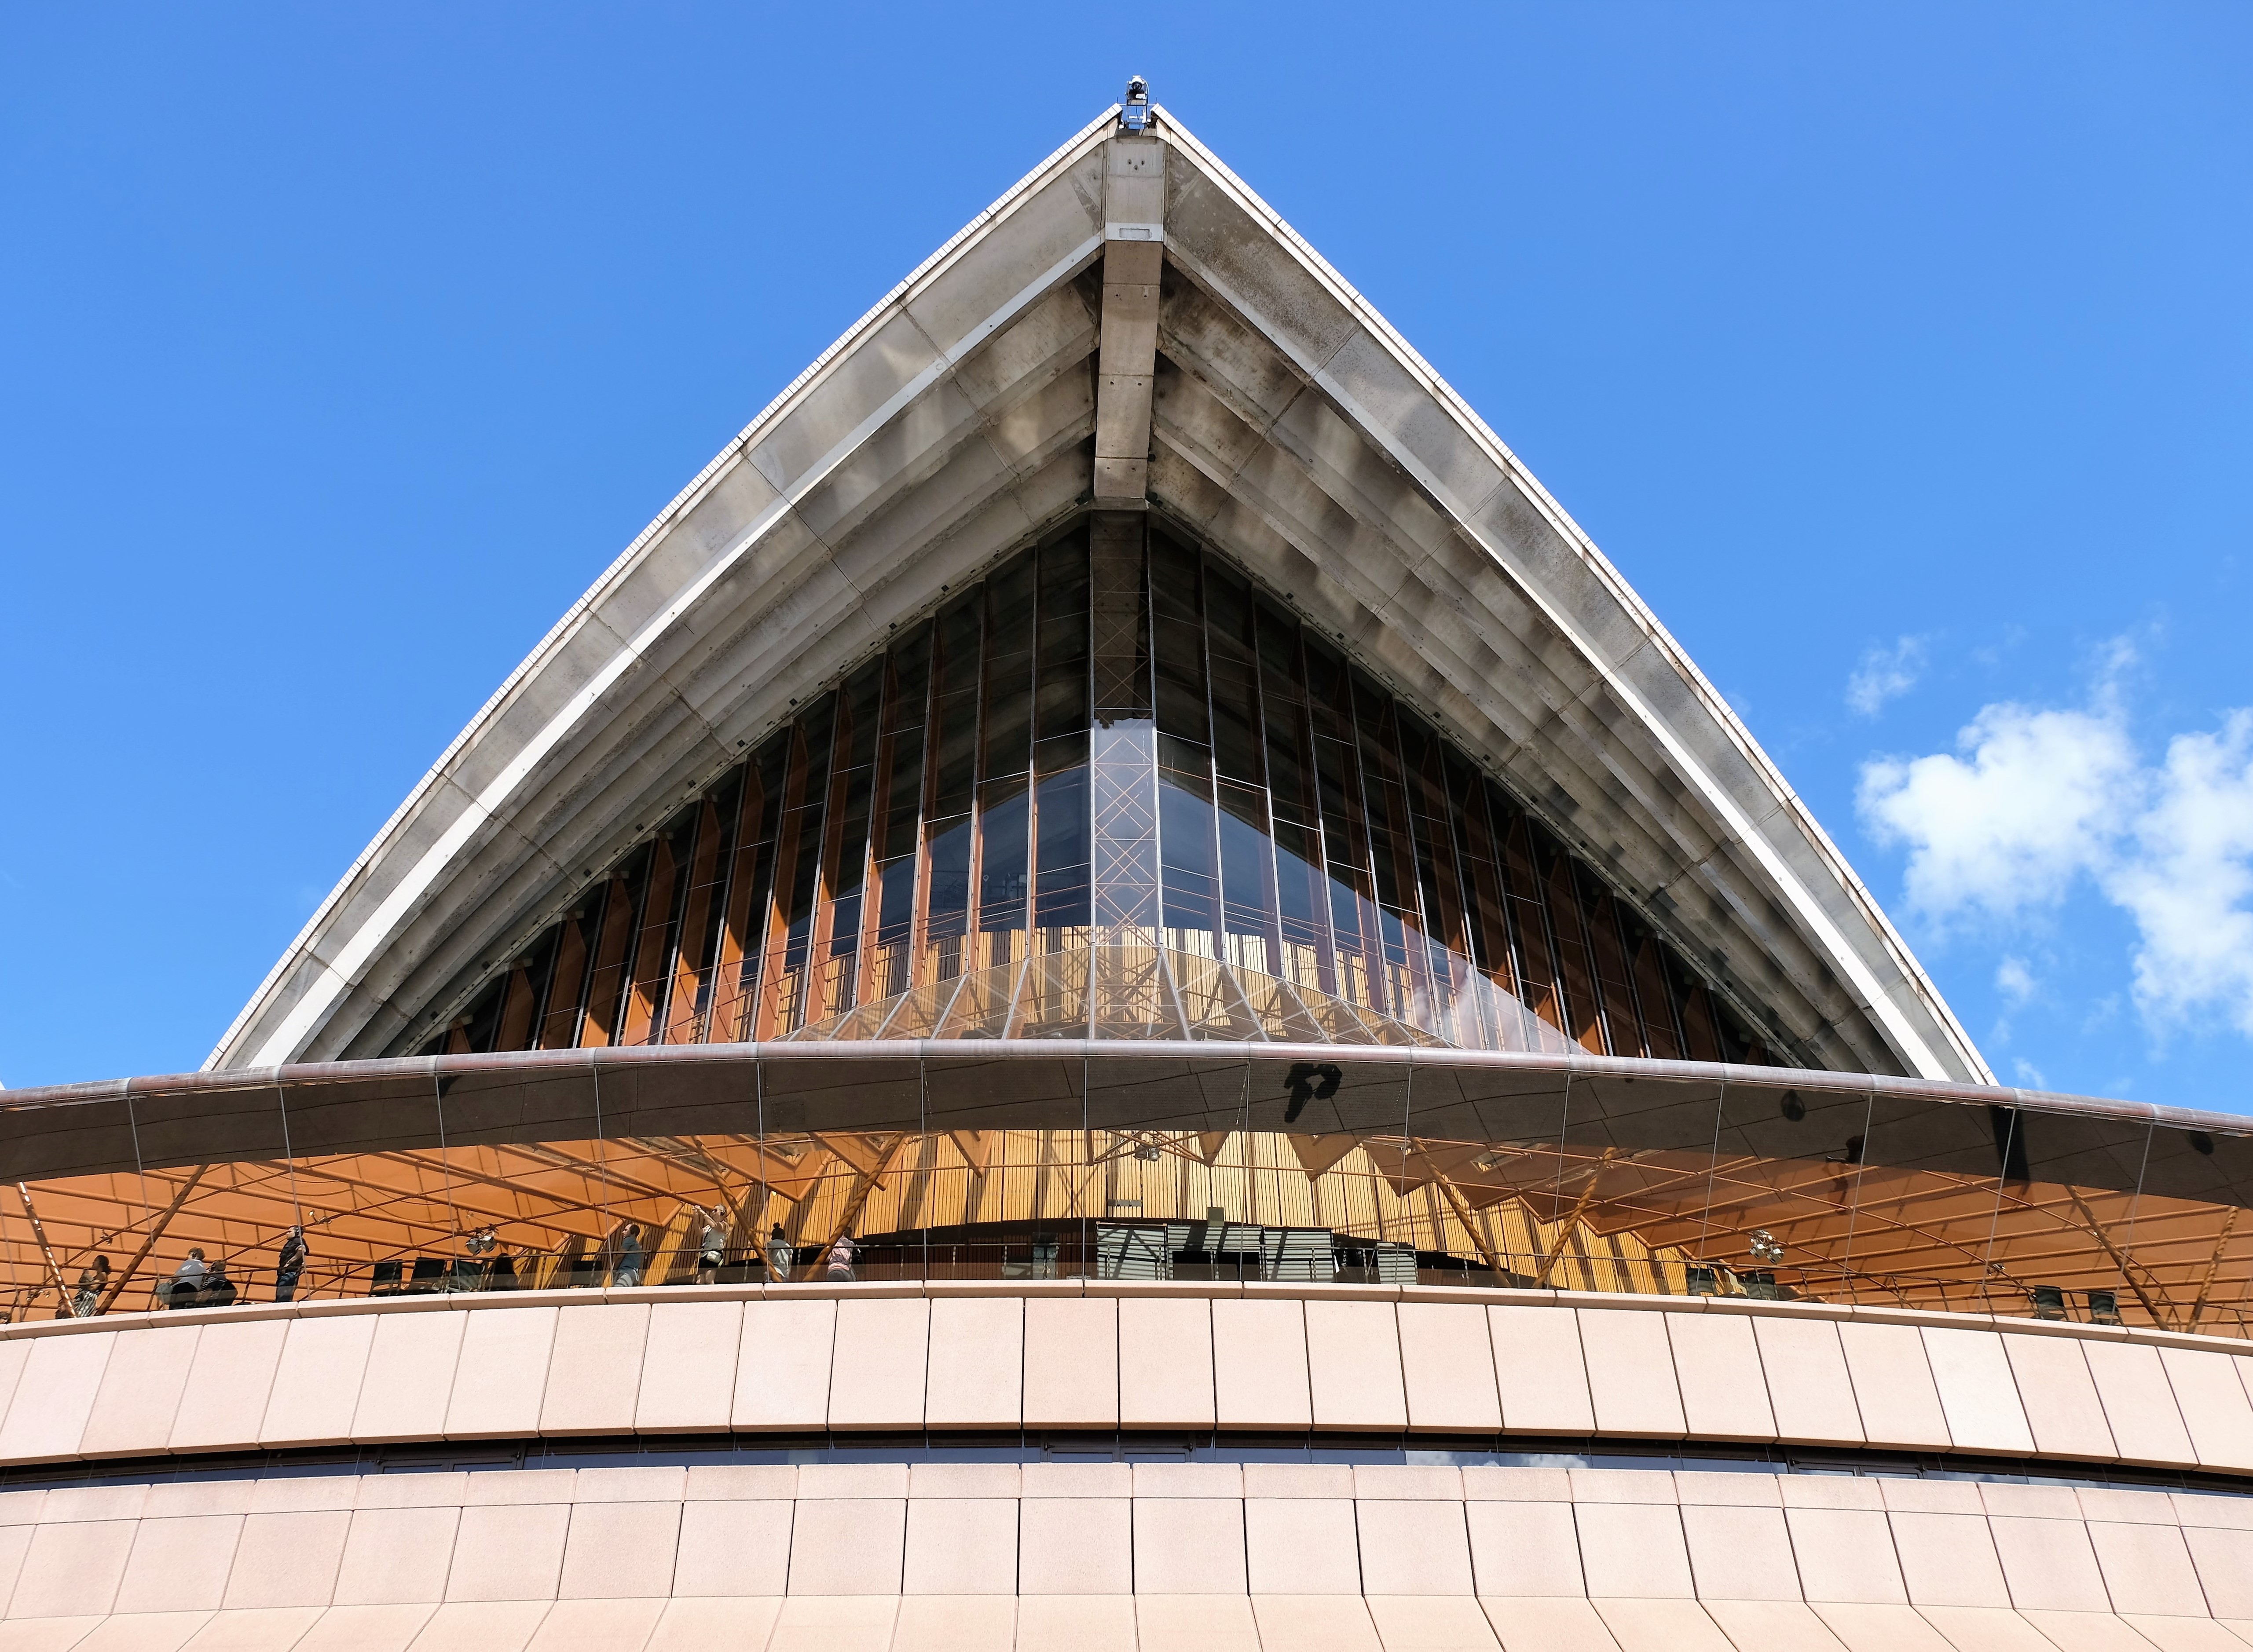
x,y
1879,1002
336,976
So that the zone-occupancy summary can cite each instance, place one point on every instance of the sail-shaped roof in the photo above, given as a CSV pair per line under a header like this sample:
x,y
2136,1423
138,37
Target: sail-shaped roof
x,y
1129,330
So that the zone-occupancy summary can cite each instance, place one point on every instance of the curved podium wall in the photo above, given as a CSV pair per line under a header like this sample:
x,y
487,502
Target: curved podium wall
x,y
1082,1464
1193,1343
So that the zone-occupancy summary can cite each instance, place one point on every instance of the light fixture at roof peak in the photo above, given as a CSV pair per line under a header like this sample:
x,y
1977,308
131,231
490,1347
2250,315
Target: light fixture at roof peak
x,y
1134,111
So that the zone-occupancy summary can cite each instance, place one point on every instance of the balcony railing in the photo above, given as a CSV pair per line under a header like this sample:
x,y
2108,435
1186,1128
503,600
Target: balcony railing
x,y
1111,1256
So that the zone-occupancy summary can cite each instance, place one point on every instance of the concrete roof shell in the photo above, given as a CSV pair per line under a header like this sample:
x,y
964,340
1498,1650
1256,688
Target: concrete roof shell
x,y
1293,429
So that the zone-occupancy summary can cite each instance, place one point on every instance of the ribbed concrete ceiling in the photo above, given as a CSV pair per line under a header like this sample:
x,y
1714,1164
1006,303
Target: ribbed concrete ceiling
x,y
1290,427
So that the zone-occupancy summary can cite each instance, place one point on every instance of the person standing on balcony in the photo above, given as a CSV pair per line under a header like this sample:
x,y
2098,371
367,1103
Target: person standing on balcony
x,y
289,1264
782,1256
712,1249
839,1260
627,1274
92,1283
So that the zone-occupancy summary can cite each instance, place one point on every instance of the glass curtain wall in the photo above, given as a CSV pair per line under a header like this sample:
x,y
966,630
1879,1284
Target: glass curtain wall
x,y
1113,789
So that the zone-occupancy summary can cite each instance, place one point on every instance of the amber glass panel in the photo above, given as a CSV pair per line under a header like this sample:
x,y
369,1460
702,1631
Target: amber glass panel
x,y
897,819
750,894
689,968
830,989
616,918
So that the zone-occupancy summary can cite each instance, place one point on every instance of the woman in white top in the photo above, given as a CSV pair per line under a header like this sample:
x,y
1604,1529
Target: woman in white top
x,y
712,1250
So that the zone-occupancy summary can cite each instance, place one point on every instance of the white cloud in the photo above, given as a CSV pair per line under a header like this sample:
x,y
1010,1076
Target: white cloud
x,y
1885,673
2031,803
2034,799
2186,876
2029,1076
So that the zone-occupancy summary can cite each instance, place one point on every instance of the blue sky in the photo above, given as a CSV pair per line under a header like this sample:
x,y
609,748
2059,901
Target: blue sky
x,y
1900,355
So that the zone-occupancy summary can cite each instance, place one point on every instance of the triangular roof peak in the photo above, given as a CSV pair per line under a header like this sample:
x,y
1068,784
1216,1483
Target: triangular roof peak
x,y
1130,326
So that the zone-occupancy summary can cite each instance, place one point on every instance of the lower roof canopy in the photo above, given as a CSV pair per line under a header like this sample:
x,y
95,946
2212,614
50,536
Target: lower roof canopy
x,y
987,1158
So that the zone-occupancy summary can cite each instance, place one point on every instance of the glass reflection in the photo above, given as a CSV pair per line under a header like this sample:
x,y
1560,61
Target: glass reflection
x,y
948,1204
1429,1169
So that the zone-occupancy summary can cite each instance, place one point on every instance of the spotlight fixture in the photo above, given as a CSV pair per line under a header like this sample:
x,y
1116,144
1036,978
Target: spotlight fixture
x,y
1766,1246
1134,115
